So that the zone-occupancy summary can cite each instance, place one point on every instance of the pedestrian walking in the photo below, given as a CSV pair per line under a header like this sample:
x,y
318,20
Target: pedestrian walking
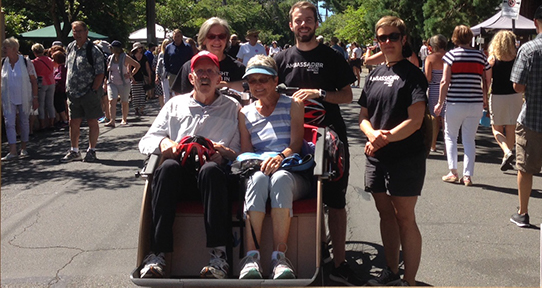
x,y
527,78
504,102
466,78
19,94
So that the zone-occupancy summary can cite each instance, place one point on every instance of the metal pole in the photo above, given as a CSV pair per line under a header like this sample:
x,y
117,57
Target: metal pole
x,y
513,26
151,20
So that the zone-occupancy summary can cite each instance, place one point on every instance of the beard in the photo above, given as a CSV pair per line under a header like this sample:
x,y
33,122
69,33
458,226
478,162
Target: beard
x,y
305,38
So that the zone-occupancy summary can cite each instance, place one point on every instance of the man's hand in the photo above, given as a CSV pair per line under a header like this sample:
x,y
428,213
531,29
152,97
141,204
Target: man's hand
x,y
168,148
303,94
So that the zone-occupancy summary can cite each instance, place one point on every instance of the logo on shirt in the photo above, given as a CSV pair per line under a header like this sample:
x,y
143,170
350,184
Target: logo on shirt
x,y
388,80
310,66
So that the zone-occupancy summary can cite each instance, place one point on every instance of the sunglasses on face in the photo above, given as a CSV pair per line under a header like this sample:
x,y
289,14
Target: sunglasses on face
x,y
207,72
262,80
219,36
393,37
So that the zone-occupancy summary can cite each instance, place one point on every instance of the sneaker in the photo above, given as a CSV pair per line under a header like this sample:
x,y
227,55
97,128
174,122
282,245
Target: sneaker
x,y
218,266
282,267
520,220
71,156
251,267
386,278
103,120
9,157
23,153
507,161
153,266
326,256
91,156
345,275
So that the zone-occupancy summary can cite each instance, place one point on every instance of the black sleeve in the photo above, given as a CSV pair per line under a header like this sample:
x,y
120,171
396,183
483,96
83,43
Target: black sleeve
x,y
182,85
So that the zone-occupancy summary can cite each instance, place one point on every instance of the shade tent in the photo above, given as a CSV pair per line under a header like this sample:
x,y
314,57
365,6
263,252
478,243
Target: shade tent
x,y
141,34
49,32
500,22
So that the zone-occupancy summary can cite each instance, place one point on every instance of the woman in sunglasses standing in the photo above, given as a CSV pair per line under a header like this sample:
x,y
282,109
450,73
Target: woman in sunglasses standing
x,y
466,78
393,103
214,36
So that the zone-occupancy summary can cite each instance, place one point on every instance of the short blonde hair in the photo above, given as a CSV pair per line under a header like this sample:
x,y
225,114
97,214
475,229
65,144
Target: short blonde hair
x,y
462,35
38,49
11,42
503,45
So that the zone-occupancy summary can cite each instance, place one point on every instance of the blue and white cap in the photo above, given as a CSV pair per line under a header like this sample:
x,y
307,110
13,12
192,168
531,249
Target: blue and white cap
x,y
259,69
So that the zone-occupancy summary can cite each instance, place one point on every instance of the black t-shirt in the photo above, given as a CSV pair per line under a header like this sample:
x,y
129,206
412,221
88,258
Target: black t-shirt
x,y
387,94
139,75
230,69
233,50
319,68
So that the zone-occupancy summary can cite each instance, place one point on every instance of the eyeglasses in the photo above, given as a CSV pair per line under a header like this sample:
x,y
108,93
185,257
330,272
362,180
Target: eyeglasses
x,y
262,80
207,72
393,37
219,36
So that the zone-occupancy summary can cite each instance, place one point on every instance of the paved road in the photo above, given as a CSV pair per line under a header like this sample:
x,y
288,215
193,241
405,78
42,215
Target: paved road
x,y
75,224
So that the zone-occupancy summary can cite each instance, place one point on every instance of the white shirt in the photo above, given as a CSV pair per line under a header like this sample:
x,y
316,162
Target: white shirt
x,y
182,116
273,50
247,51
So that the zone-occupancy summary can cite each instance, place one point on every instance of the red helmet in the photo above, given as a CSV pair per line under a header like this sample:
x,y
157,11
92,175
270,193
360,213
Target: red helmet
x,y
195,151
315,112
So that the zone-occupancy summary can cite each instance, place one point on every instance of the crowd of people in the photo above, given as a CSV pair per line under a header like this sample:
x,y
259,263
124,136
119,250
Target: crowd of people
x,y
84,80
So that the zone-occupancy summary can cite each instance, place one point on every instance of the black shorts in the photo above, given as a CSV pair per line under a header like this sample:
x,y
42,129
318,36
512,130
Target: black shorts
x,y
400,177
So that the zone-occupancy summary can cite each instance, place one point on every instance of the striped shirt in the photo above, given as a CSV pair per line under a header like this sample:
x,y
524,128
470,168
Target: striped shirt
x,y
528,71
467,65
271,133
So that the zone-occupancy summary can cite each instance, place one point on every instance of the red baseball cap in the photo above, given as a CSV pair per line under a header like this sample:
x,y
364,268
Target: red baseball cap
x,y
201,55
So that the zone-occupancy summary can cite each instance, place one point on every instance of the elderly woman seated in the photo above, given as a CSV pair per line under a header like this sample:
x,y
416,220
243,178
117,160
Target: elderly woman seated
x,y
273,123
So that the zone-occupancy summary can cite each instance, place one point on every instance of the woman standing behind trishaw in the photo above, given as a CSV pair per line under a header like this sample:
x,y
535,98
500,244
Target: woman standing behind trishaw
x,y
504,103
393,103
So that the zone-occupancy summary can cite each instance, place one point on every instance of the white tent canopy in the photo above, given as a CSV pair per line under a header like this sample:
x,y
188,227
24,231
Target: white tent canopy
x,y
500,22
141,34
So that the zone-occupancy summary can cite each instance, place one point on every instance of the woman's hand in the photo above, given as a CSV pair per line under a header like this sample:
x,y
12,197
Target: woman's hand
x,y
271,165
35,103
378,138
438,109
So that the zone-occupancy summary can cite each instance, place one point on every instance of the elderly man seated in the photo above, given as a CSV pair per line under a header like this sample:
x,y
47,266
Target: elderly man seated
x,y
203,112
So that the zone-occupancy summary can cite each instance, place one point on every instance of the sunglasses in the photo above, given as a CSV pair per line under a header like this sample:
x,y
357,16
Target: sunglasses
x,y
219,36
206,72
393,37
262,80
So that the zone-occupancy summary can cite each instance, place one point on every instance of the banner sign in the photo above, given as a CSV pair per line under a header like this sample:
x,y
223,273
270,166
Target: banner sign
x,y
510,8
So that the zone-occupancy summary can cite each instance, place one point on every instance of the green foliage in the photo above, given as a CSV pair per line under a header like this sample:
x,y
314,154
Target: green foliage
x,y
17,23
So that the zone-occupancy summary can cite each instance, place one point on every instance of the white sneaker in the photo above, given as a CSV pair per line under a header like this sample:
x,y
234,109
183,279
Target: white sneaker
x,y
282,268
251,267
23,153
218,266
153,266
10,156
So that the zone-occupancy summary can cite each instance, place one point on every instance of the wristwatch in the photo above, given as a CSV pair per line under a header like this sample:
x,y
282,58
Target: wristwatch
x,y
323,94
